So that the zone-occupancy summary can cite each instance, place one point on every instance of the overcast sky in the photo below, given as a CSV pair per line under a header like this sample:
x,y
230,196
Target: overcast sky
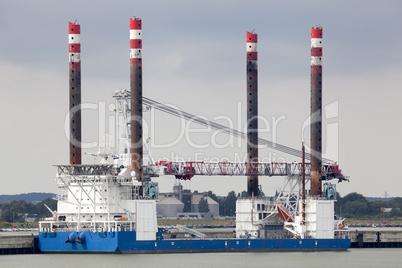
x,y
194,57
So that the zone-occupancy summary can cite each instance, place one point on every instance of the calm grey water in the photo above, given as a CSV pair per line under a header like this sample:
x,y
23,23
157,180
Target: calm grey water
x,y
352,258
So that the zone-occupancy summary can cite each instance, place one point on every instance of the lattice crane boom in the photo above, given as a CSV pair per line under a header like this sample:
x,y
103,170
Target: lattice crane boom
x,y
187,170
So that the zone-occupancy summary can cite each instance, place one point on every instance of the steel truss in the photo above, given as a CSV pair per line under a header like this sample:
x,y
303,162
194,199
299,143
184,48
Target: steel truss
x,y
291,193
88,170
186,170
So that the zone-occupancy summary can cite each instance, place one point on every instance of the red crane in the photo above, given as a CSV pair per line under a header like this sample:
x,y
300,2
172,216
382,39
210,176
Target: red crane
x,y
187,170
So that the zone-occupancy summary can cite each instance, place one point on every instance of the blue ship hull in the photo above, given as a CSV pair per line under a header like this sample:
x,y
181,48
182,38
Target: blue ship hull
x,y
125,242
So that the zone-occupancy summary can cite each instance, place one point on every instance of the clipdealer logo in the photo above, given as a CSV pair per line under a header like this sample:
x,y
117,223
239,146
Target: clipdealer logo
x,y
187,128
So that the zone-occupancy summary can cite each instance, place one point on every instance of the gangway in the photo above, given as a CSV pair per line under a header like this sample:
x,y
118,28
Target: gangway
x,y
191,231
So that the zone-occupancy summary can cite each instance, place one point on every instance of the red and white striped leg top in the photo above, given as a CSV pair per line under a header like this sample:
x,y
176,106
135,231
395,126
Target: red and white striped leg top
x,y
135,39
74,43
316,46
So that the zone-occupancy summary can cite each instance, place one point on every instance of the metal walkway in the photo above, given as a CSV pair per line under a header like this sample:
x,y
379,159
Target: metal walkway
x,y
191,231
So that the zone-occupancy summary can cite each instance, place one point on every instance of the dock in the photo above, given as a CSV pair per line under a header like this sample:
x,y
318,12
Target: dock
x,y
362,237
376,237
19,243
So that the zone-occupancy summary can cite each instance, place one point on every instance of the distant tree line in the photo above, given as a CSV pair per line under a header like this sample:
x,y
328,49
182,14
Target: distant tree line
x,y
203,206
227,204
15,211
355,205
29,197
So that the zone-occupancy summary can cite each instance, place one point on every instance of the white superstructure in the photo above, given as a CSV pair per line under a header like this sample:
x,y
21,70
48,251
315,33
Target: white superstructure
x,y
96,198
106,197
319,220
250,214
262,218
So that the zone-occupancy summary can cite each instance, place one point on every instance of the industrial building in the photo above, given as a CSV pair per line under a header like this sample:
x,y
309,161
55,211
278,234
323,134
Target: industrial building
x,y
171,205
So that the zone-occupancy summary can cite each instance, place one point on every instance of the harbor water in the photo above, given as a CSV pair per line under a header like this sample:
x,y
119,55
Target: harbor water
x,y
391,257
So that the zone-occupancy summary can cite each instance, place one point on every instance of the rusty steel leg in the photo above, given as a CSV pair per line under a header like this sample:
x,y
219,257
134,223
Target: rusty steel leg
x,y
136,98
252,113
316,111
75,92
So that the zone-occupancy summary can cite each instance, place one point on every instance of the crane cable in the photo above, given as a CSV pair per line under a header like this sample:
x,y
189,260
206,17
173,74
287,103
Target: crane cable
x,y
202,121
